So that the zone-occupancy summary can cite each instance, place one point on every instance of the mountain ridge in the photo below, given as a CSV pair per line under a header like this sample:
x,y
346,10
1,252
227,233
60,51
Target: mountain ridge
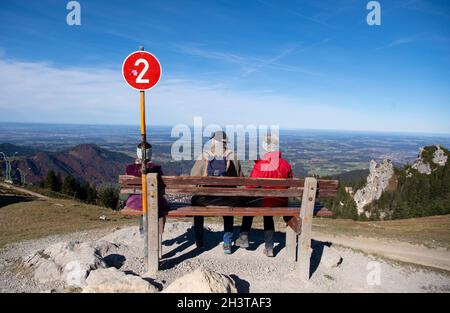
x,y
87,162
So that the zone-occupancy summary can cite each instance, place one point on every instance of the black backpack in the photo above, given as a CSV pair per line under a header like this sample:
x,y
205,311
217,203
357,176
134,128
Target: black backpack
x,y
217,167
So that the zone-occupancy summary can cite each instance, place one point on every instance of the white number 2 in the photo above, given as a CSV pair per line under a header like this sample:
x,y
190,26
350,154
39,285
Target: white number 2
x,y
139,79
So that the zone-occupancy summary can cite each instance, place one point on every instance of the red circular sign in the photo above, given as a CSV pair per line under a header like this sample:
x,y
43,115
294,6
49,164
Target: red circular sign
x,y
141,70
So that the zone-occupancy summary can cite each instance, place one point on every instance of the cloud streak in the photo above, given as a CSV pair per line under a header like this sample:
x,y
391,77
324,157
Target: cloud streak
x,y
249,65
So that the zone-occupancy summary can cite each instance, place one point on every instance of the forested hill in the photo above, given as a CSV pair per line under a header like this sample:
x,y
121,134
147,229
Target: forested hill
x,y
414,190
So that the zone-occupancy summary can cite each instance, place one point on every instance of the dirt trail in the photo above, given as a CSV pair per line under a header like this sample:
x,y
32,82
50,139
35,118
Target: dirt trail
x,y
25,191
438,257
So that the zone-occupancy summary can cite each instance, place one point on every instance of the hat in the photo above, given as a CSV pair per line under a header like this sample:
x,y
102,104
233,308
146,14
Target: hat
x,y
219,136
148,151
147,145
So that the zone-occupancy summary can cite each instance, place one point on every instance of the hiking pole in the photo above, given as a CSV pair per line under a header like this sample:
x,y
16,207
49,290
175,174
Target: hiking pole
x,y
144,171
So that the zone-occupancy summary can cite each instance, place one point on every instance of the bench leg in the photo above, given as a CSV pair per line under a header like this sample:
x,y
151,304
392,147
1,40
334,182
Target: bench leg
x,y
162,223
291,244
306,215
153,224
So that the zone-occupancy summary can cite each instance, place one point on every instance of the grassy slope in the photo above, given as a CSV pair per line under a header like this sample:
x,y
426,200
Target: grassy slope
x,y
39,218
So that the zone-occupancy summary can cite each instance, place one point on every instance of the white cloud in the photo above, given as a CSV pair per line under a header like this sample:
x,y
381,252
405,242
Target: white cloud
x,y
42,92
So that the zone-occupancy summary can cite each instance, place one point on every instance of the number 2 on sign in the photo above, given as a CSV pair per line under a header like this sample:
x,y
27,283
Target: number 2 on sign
x,y
139,79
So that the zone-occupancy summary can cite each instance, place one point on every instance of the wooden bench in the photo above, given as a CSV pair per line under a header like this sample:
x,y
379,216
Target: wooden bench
x,y
298,235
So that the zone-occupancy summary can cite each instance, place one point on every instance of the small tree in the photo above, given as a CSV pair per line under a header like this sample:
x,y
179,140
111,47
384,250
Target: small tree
x,y
70,186
108,197
92,194
84,190
52,181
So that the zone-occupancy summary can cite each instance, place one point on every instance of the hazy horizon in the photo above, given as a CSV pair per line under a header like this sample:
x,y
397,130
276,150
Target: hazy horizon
x,y
281,128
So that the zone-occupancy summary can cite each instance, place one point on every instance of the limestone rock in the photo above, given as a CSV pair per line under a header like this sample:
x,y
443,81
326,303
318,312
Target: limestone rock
x,y
112,280
202,281
47,271
422,167
128,236
69,262
425,166
377,182
330,257
439,157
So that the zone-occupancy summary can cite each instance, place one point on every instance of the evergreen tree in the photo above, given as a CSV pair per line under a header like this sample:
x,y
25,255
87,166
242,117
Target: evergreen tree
x,y
108,197
92,194
70,186
52,181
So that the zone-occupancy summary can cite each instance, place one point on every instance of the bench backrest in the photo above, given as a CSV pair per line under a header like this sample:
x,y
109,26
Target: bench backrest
x,y
220,186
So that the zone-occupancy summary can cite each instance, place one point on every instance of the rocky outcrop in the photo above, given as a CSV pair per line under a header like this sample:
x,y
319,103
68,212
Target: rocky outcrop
x,y
202,281
425,164
377,182
439,157
422,167
109,280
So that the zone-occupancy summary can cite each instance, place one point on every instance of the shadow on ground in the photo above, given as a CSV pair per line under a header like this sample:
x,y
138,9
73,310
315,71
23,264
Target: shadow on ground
x,y
11,199
214,238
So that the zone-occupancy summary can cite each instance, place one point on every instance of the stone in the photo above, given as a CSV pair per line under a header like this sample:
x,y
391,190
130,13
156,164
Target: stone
x,y
377,181
112,280
129,236
47,271
202,281
422,167
439,157
330,257
69,262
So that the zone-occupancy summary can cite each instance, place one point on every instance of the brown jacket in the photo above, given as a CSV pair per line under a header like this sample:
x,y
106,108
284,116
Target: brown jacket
x,y
233,165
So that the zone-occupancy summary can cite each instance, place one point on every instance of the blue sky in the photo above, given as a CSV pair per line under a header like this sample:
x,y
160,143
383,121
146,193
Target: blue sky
x,y
297,64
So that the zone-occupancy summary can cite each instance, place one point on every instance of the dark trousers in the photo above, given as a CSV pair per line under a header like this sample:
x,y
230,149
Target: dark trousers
x,y
198,227
247,222
268,223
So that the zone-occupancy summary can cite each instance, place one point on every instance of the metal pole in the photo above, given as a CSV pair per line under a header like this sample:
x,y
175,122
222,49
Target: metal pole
x,y
7,168
144,171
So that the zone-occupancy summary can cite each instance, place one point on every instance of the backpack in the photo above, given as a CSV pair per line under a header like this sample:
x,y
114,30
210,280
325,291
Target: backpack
x,y
217,167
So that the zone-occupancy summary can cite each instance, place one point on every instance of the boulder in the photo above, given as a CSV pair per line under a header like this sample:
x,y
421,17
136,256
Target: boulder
x,y
47,271
128,236
69,262
202,281
112,280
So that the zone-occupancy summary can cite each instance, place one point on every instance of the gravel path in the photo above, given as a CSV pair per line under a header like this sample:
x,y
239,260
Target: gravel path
x,y
251,270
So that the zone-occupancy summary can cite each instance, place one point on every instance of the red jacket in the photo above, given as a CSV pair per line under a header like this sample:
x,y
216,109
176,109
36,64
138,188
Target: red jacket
x,y
272,166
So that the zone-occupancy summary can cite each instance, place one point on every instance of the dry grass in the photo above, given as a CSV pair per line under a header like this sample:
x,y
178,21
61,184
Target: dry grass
x,y
39,218
431,231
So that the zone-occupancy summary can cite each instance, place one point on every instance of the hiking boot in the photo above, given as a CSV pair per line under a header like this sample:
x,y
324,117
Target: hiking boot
x,y
242,241
200,245
226,248
268,237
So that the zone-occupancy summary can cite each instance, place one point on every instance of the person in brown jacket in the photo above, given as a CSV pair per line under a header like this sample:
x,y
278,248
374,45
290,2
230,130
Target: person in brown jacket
x,y
217,161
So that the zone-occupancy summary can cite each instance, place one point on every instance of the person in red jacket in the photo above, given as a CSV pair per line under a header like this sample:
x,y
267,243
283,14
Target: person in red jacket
x,y
271,166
